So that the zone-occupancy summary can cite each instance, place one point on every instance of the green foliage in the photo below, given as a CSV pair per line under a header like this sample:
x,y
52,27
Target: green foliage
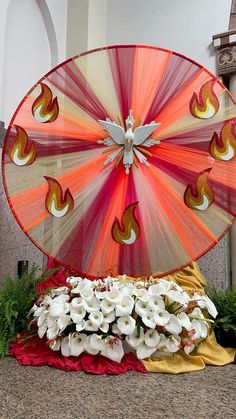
x,y
225,302
16,299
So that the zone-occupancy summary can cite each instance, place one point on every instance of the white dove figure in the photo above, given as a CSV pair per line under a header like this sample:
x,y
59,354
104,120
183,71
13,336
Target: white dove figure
x,y
128,140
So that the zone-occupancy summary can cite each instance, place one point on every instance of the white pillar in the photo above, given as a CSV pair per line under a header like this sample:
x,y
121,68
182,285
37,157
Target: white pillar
x,y
233,228
86,25
97,24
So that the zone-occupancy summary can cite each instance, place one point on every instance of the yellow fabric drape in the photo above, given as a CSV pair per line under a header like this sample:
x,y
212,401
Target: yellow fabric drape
x,y
209,351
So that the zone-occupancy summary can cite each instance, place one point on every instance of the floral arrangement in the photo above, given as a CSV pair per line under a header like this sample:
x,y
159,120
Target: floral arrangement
x,y
112,316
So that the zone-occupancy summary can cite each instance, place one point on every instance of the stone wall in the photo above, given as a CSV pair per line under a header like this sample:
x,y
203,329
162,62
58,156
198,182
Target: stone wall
x,y
14,244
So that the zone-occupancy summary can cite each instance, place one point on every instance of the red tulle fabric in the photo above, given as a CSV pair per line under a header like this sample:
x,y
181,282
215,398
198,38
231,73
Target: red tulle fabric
x,y
58,279
37,353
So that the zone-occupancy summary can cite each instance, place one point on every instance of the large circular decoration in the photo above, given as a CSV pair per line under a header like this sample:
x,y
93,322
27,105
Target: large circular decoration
x,y
122,160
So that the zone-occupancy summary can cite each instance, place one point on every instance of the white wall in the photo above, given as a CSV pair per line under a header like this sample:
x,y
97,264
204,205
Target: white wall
x,y
58,11
27,40
185,26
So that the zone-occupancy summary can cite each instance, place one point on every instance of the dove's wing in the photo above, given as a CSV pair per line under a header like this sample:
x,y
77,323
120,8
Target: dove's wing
x,y
116,132
143,132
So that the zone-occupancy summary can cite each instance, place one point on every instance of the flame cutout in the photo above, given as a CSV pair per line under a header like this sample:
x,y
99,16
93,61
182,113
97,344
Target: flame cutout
x,y
199,194
22,151
129,231
45,108
55,204
206,104
223,147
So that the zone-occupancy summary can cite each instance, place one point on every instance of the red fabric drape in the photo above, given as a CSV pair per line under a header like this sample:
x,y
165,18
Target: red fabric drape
x,y
58,279
37,353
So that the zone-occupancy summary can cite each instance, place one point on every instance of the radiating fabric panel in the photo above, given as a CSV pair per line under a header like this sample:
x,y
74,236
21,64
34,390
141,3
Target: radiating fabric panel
x,y
68,181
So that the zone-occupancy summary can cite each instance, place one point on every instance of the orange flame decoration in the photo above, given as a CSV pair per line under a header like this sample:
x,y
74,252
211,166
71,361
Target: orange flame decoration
x,y
223,147
45,108
55,204
129,231
22,151
199,194
206,104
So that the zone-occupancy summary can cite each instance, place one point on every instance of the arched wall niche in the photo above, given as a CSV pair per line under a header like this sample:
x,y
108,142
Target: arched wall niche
x,y
30,50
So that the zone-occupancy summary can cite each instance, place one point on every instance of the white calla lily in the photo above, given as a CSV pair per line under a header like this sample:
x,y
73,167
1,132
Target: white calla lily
x,y
161,317
96,342
141,293
156,303
80,326
87,293
46,301
75,290
135,338
141,307
129,289
77,343
55,344
159,289
96,317
36,310
59,306
63,322
174,325
115,329
179,296
200,329
76,302
104,327
42,330
205,302
196,326
73,280
114,295
204,329
148,319
59,291
152,338
172,343
196,313
188,349
125,307
65,349
51,320
101,293
53,331
162,341
91,305
77,313
126,325
90,349
109,317
90,326
107,306
113,349
184,320
144,351
42,318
